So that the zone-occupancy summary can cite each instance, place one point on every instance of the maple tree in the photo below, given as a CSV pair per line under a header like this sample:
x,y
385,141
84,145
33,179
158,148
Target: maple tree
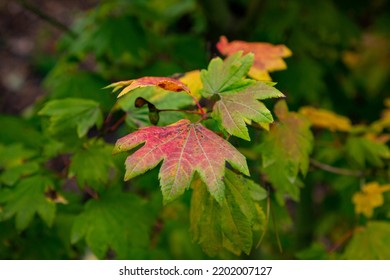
x,y
207,149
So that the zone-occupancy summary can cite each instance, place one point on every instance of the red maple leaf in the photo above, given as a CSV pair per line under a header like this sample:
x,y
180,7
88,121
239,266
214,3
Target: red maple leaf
x,y
184,147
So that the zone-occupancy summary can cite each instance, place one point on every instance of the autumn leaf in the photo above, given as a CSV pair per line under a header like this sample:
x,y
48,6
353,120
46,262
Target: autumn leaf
x,y
165,83
238,102
193,82
370,197
285,151
326,119
184,147
267,57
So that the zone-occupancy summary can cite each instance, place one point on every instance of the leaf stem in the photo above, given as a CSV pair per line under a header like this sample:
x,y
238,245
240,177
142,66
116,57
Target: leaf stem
x,y
202,112
178,110
336,170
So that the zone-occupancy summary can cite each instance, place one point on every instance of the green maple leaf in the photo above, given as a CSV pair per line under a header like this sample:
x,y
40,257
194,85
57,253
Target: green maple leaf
x,y
233,111
238,102
285,151
92,165
72,113
14,163
184,147
226,76
27,199
230,224
117,221
362,150
370,243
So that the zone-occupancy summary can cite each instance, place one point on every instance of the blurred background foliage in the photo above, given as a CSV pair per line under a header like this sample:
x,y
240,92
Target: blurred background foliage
x,y
340,62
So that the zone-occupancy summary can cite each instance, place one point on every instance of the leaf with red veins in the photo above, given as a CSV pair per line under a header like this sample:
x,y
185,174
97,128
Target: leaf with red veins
x,y
268,57
165,83
184,147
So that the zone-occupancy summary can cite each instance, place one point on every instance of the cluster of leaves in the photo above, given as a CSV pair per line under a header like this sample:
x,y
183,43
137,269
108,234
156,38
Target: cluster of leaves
x,y
312,182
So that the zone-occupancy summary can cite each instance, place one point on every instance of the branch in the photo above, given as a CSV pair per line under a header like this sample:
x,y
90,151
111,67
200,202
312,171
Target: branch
x,y
35,10
336,170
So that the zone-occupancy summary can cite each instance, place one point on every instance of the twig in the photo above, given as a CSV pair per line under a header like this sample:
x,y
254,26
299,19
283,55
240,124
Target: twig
x,y
342,240
38,12
336,170
183,111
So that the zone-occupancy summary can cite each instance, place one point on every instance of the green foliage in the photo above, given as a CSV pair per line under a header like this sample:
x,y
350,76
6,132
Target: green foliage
x,y
92,166
70,113
27,199
118,221
230,224
370,242
314,184
285,151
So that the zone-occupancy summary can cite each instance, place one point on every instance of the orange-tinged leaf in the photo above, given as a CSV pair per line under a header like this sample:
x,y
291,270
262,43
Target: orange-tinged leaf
x,y
268,57
369,198
184,148
326,119
165,83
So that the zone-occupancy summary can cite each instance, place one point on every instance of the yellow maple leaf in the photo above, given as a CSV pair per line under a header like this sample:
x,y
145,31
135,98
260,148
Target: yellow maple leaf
x,y
384,122
326,119
193,82
370,197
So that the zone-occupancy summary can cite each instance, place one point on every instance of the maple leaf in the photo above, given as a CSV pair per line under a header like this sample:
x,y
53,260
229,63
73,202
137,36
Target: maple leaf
x,y
238,97
285,151
363,150
326,119
185,148
69,113
118,221
233,111
267,57
165,83
370,242
193,82
229,225
226,76
369,198
27,199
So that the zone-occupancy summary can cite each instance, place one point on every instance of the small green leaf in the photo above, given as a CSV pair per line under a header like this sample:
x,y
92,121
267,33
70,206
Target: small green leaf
x,y
92,165
14,163
228,225
27,199
117,221
362,150
222,75
72,113
23,131
285,151
370,243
